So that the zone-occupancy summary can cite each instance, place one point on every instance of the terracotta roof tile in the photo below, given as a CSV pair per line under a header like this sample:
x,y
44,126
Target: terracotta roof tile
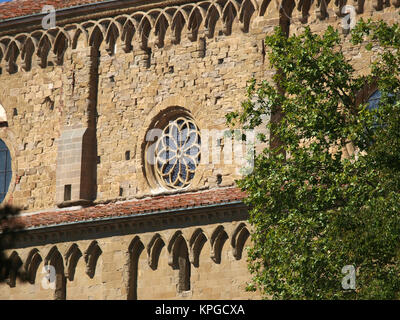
x,y
134,207
19,8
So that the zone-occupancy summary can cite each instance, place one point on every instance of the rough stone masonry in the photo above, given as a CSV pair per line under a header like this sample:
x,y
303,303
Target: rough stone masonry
x,y
77,102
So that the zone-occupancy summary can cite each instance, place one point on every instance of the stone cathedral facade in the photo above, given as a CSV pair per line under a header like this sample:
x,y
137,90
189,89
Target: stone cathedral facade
x,y
82,104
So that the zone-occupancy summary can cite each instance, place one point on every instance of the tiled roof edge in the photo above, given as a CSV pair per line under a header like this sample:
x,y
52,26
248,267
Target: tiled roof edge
x,y
135,208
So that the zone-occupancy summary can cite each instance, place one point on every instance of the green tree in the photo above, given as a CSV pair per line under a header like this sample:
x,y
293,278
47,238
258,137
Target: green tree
x,y
313,209
9,226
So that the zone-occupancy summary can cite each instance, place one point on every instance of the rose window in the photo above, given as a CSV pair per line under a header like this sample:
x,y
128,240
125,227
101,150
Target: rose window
x,y
177,153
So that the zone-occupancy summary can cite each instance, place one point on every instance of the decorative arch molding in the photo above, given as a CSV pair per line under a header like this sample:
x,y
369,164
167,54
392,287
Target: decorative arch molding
x,y
47,47
179,260
173,246
171,23
154,250
135,249
15,265
72,257
238,239
32,264
196,244
55,259
217,241
91,256
246,11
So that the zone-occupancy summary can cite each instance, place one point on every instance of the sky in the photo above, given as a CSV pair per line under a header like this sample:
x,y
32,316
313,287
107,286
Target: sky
x,y
4,1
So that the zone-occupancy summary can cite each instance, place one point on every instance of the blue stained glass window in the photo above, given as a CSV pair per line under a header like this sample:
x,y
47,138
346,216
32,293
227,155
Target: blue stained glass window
x,y
373,100
5,170
178,153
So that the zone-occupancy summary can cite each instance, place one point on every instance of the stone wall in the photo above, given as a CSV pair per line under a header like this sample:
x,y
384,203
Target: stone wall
x,y
98,260
79,100
115,74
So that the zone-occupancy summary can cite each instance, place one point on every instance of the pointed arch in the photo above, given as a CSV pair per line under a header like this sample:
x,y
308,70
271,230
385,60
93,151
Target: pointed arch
x,y
55,259
32,264
162,23
304,8
230,12
196,20
217,240
322,9
128,32
214,13
238,239
12,53
339,4
179,20
113,32
263,7
179,260
97,36
44,47
135,249
360,6
154,250
171,247
80,32
196,243
246,12
91,256
28,49
60,46
14,267
72,257
111,25
145,26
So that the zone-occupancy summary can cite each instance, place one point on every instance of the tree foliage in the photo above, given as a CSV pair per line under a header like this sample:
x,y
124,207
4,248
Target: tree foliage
x,y
314,208
9,226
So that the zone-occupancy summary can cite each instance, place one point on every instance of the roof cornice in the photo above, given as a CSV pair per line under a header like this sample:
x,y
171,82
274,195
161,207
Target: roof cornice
x,y
83,12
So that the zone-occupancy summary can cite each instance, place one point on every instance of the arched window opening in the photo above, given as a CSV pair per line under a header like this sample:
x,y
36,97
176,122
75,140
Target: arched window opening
x,y
375,98
54,260
373,101
184,267
3,117
374,104
5,170
135,250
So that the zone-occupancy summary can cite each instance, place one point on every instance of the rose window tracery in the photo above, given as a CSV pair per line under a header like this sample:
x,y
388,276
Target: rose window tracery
x,y
177,153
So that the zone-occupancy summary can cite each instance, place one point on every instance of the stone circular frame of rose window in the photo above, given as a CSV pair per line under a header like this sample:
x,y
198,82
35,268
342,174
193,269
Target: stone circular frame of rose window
x,y
173,150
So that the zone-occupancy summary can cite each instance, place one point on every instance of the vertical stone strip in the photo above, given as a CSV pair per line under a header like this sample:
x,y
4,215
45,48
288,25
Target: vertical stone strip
x,y
77,146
